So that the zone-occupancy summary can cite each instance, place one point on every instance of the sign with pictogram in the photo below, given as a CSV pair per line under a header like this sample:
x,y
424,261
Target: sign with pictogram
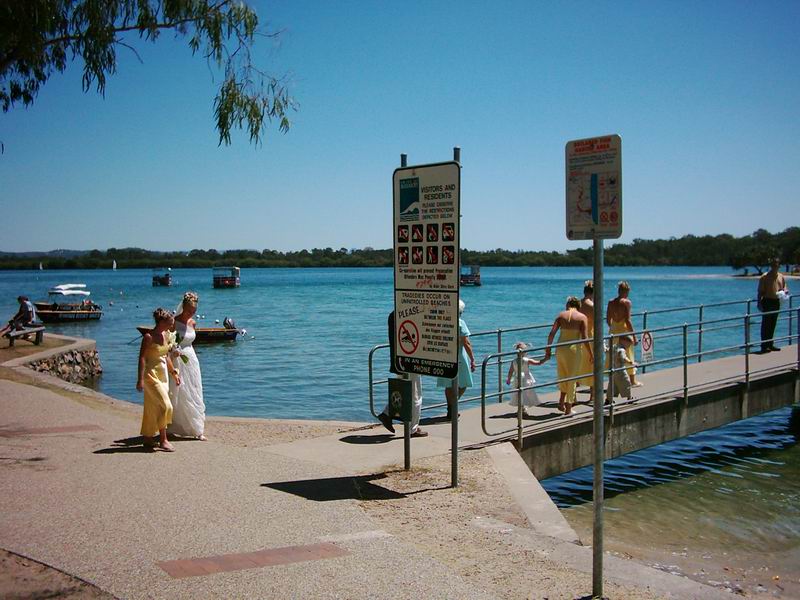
x,y
594,188
408,337
647,350
426,268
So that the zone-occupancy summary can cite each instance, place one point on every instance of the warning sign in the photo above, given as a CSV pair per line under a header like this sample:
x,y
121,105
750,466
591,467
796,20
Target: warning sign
x,y
646,344
594,188
426,269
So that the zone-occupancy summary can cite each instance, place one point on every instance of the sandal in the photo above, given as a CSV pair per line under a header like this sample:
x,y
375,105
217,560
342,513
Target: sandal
x,y
167,447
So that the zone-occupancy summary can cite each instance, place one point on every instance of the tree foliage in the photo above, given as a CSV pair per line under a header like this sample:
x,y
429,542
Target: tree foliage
x,y
41,37
752,250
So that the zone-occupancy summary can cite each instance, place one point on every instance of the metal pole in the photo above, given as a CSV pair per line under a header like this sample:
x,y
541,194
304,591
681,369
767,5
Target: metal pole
x,y
685,364
790,320
407,442
644,328
519,402
798,339
500,366
454,402
700,337
747,349
599,438
453,407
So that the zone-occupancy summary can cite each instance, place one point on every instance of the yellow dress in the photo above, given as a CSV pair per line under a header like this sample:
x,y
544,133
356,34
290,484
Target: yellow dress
x,y
568,362
157,406
620,327
587,364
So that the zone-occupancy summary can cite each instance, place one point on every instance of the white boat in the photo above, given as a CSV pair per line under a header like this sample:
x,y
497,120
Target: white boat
x,y
114,265
68,302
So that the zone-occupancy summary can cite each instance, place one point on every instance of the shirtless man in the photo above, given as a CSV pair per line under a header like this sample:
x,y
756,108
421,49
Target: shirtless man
x,y
618,318
769,284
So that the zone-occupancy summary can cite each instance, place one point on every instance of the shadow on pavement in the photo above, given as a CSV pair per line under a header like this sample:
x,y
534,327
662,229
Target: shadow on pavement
x,y
367,439
513,415
337,488
126,445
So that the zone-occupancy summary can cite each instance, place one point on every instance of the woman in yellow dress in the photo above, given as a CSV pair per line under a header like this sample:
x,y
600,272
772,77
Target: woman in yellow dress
x,y
154,365
587,310
568,358
618,318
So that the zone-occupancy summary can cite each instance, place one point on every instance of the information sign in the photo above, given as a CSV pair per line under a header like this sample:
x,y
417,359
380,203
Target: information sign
x,y
647,351
426,268
594,188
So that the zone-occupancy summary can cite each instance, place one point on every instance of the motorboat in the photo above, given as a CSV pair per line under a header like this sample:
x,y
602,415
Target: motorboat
x,y
66,303
226,277
471,275
162,277
227,333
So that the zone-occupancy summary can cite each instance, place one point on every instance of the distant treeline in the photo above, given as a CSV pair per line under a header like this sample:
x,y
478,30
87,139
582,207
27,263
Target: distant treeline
x,y
751,251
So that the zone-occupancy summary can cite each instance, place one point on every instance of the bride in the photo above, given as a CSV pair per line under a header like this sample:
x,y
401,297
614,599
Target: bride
x,y
189,410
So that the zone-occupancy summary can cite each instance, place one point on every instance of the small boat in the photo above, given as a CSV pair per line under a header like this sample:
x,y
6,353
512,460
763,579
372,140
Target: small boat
x,y
471,275
114,265
207,334
162,277
226,277
66,303
41,268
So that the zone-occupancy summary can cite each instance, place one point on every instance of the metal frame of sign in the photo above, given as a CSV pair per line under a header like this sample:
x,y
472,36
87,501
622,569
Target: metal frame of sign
x,y
427,266
594,188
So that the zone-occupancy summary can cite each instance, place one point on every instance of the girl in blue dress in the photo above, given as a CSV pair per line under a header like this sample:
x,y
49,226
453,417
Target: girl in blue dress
x,y
466,363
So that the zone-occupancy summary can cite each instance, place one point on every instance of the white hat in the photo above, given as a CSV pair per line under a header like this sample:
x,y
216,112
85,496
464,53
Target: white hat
x,y
461,306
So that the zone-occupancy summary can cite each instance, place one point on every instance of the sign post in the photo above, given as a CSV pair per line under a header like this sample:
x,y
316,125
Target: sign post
x,y
426,271
648,352
594,212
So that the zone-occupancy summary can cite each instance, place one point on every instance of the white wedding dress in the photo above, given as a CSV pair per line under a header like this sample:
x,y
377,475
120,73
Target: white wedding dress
x,y
188,408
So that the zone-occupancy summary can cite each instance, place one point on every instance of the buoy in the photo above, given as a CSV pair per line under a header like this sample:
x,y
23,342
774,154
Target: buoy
x,y
216,320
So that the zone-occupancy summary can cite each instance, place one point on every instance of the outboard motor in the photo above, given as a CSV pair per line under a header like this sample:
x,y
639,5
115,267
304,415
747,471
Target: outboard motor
x,y
228,323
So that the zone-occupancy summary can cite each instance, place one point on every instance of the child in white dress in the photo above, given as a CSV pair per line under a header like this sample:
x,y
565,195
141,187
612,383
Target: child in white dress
x,y
619,359
529,397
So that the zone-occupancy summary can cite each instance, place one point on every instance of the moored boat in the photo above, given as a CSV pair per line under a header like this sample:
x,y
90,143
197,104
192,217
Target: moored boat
x,y
225,277
68,302
471,275
162,277
207,334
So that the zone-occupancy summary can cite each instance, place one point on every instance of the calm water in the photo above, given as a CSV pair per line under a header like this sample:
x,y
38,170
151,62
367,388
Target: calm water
x,y
309,332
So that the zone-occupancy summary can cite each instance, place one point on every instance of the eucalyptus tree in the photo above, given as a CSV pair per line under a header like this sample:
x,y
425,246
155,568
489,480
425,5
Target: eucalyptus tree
x,y
41,37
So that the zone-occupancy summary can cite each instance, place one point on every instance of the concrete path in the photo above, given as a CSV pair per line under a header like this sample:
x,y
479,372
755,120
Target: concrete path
x,y
111,513
80,494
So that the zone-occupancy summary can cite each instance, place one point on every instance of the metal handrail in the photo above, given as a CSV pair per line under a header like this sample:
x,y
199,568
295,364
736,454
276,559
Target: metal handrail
x,y
697,328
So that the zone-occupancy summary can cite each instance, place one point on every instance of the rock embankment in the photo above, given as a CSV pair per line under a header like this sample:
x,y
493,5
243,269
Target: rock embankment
x,y
75,366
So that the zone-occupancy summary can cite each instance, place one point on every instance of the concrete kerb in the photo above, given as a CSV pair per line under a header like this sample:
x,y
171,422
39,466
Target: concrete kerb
x,y
542,513
72,344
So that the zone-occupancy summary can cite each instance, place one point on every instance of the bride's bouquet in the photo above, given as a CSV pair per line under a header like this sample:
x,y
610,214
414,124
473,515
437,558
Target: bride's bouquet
x,y
175,347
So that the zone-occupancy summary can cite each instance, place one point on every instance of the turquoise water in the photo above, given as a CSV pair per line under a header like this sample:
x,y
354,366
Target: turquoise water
x,y
310,330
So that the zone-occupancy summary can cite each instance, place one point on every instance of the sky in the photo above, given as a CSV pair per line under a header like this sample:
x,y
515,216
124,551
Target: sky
x,y
704,95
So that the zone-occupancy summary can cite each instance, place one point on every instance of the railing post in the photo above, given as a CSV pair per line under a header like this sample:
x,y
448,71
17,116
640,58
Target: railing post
x,y
371,401
500,366
685,364
790,320
747,347
798,339
700,337
644,328
519,402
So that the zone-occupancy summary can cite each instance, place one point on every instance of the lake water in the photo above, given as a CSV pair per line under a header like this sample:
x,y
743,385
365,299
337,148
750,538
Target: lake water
x,y
730,494
309,331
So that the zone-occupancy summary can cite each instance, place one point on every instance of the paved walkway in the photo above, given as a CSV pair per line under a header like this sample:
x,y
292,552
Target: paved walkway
x,y
214,520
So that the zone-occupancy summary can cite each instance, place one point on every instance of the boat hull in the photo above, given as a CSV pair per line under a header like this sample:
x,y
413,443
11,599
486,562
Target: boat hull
x,y
206,335
68,316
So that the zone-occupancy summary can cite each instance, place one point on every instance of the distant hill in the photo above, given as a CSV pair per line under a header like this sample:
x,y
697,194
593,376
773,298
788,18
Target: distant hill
x,y
51,253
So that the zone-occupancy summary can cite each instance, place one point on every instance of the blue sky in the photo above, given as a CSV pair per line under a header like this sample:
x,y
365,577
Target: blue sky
x,y
704,94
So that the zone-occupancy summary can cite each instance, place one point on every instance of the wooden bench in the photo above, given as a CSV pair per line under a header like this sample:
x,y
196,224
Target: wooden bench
x,y
25,333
